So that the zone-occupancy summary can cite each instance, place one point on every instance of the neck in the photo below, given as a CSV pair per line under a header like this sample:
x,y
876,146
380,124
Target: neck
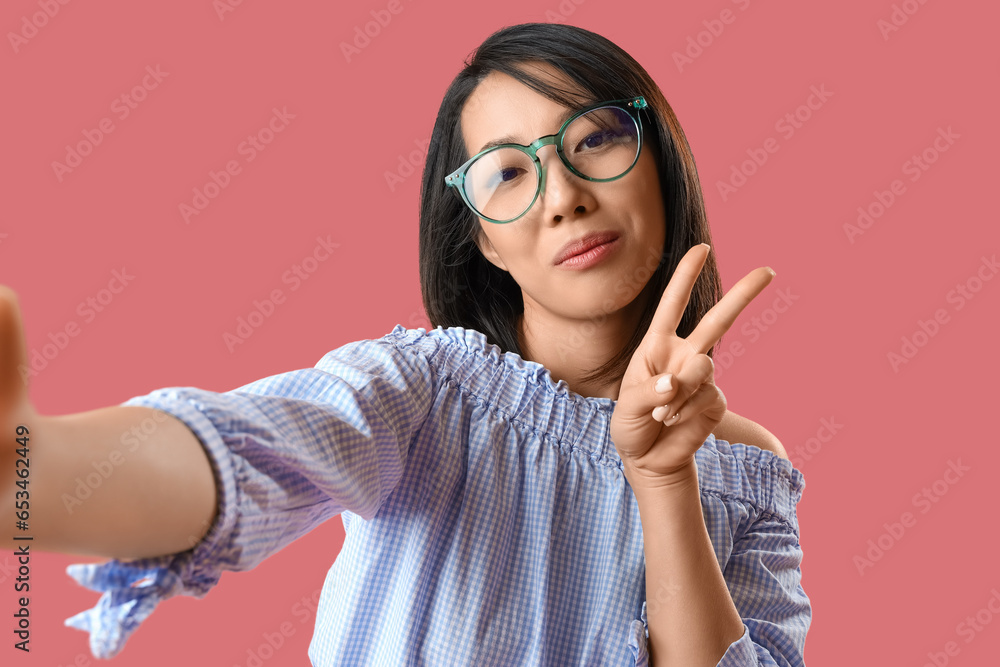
x,y
572,348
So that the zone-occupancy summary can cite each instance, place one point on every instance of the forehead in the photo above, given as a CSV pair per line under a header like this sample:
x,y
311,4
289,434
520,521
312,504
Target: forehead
x,y
502,106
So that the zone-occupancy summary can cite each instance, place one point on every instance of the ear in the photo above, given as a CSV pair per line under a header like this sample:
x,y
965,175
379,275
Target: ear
x,y
489,252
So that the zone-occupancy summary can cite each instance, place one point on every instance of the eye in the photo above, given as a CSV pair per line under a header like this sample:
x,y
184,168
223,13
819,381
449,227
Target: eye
x,y
604,138
505,175
509,173
594,140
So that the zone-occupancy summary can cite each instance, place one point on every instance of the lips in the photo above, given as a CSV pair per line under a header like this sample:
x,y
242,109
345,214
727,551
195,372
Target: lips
x,y
584,244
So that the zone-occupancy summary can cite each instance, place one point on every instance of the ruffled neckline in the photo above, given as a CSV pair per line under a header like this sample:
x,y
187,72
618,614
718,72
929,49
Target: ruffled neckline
x,y
552,407
476,340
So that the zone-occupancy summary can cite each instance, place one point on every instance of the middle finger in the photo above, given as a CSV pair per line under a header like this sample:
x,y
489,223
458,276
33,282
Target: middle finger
x,y
717,321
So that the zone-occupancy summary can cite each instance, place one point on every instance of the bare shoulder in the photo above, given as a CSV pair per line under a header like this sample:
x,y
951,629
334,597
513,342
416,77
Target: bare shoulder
x,y
736,428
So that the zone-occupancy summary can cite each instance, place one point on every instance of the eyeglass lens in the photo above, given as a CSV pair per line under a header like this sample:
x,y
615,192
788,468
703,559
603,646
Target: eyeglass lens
x,y
600,144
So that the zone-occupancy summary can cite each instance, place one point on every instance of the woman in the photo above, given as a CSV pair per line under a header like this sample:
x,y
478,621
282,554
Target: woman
x,y
535,481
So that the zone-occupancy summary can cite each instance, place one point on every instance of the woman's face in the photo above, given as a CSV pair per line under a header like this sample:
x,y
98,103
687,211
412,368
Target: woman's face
x,y
570,208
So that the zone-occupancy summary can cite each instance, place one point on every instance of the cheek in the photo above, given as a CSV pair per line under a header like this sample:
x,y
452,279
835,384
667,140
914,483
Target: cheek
x,y
488,240
506,247
650,182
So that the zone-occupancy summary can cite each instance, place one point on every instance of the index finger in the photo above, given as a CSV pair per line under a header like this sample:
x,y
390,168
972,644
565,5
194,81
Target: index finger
x,y
717,321
677,293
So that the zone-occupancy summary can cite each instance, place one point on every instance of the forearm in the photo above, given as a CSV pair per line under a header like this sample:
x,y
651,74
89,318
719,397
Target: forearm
x,y
691,616
122,482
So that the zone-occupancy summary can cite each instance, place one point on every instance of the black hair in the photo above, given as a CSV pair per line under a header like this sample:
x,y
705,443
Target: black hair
x,y
459,286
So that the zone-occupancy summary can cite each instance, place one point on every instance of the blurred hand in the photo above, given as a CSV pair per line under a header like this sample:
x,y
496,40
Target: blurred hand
x,y
15,408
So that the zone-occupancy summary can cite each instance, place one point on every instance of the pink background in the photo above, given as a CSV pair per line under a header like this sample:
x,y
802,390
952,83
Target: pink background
x,y
324,175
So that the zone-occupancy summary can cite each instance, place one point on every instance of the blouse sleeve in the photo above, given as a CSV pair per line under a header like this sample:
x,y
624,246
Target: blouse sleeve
x,y
762,570
287,452
764,578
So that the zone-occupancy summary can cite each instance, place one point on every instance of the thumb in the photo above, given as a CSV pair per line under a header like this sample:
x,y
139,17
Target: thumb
x,y
633,428
651,393
14,369
662,390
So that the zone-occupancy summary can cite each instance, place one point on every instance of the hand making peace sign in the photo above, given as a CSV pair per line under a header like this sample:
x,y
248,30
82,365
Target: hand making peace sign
x,y
656,444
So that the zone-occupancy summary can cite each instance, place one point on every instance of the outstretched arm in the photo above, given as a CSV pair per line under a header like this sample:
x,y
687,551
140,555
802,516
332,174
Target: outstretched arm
x,y
161,502
206,482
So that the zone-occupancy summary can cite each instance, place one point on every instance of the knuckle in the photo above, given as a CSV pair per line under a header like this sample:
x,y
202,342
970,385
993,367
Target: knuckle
x,y
708,364
721,396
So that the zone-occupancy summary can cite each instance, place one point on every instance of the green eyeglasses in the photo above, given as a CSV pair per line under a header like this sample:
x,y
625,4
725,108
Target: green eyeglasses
x,y
599,143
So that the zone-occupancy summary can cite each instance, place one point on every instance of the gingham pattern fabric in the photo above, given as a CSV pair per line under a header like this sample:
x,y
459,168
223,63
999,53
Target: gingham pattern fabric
x,y
487,517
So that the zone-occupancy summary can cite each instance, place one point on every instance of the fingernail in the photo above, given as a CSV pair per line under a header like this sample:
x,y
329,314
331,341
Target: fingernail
x,y
660,412
663,385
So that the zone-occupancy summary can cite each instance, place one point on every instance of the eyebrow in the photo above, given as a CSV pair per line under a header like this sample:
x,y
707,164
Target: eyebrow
x,y
511,139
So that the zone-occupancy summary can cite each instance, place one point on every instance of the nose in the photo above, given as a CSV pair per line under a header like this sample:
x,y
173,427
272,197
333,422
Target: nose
x,y
561,192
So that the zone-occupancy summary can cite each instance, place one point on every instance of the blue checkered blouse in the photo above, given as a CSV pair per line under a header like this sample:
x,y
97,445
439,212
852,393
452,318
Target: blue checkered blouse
x,y
487,517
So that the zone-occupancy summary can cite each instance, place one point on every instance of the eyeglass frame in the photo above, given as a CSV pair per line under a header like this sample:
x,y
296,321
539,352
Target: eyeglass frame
x,y
631,105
